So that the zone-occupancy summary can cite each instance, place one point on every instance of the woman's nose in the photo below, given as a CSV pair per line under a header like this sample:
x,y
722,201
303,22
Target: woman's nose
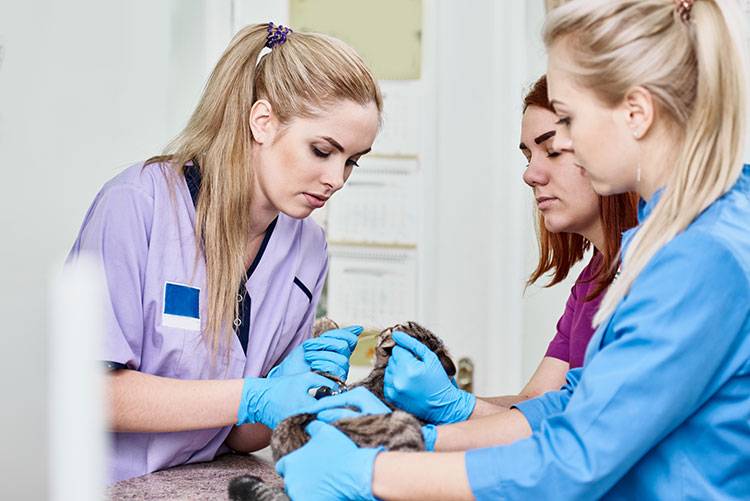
x,y
535,174
334,176
562,141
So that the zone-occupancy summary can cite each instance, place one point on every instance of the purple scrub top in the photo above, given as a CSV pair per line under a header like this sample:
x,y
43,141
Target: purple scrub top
x,y
574,329
140,227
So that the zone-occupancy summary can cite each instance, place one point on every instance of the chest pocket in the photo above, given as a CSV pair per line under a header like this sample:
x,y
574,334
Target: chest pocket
x,y
176,322
181,307
300,302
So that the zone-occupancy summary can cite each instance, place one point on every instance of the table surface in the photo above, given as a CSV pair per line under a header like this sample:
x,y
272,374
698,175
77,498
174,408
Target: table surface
x,y
195,481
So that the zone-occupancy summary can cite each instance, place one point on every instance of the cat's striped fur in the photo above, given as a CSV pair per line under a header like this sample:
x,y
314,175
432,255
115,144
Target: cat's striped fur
x,y
397,431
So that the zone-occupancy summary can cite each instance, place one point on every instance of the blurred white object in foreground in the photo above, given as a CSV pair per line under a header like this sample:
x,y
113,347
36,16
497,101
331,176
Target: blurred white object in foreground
x,y
76,404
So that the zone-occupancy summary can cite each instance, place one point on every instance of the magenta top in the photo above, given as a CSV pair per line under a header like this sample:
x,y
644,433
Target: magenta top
x,y
574,327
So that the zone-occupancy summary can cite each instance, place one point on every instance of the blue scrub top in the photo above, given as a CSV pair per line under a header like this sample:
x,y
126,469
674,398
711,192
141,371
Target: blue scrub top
x,y
661,407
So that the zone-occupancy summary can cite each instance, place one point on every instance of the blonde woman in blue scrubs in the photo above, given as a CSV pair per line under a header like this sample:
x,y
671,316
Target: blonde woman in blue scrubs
x,y
651,97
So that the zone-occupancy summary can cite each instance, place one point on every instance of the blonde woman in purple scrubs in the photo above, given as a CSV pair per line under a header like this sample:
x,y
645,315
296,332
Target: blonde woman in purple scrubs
x,y
213,268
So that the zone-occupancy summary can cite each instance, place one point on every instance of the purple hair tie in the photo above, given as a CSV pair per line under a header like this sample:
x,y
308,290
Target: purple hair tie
x,y
276,35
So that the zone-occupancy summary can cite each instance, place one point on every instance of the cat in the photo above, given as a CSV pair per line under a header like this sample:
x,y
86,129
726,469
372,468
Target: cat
x,y
396,431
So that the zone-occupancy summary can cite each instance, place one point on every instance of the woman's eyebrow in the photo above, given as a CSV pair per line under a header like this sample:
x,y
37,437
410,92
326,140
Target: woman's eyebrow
x,y
334,143
543,137
338,146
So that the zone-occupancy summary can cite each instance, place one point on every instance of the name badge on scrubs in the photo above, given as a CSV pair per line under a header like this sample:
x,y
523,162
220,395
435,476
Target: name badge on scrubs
x,y
181,307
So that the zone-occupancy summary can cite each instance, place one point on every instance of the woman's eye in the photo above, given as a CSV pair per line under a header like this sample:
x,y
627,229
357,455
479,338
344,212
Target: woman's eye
x,y
553,154
563,121
352,163
318,153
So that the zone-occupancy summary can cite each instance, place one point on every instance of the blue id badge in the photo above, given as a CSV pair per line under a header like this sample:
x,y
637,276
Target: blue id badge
x,y
181,307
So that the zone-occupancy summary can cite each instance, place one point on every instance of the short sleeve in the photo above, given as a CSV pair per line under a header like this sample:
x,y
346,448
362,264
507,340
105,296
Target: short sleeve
x,y
559,347
115,234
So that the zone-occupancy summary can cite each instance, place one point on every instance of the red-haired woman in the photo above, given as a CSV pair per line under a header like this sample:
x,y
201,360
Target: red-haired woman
x,y
572,218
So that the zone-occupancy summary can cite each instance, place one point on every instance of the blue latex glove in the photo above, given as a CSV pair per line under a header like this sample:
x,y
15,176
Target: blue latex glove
x,y
416,382
329,466
429,434
354,403
327,353
270,400
294,363
330,351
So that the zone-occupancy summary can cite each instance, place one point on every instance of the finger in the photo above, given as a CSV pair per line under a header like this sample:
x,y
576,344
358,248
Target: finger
x,y
331,415
347,334
326,403
316,427
281,466
411,344
328,436
326,356
313,380
402,356
330,368
358,398
327,344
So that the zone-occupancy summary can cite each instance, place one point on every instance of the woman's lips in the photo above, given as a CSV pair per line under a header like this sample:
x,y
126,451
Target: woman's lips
x,y
545,202
316,202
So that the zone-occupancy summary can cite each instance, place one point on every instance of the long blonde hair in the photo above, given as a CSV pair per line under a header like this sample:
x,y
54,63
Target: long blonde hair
x,y
299,77
695,70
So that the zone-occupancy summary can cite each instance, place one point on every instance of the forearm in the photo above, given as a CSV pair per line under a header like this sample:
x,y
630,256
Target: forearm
x,y
549,376
497,429
145,403
492,405
487,406
248,438
403,475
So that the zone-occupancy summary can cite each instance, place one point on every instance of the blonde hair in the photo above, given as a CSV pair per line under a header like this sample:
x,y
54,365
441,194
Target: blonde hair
x,y
695,70
298,78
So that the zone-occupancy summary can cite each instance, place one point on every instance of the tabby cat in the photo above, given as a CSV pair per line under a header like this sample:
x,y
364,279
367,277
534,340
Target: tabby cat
x,y
397,431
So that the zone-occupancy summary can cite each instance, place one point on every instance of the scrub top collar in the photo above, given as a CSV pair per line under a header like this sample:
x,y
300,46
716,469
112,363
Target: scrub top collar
x,y
193,181
645,208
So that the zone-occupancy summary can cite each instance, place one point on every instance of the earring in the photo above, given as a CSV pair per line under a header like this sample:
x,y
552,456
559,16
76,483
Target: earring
x,y
638,174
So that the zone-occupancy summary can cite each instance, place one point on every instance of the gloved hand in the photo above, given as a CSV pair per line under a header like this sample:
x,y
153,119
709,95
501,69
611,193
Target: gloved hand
x,y
416,382
329,466
270,400
330,351
429,434
354,403
294,363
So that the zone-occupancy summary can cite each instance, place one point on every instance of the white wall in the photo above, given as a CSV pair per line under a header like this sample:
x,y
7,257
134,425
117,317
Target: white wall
x,y
541,307
86,87
486,54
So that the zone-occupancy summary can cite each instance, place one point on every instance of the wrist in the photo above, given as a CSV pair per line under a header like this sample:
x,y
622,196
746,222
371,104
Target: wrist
x,y
253,389
429,434
468,402
368,458
458,408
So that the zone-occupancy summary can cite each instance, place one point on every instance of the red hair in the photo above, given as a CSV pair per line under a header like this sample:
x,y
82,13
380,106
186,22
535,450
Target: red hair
x,y
558,252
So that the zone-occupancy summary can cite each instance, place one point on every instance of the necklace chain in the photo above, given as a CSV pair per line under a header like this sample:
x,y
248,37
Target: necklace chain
x,y
238,311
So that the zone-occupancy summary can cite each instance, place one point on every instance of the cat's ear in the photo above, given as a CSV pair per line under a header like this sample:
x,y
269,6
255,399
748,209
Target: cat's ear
x,y
322,325
448,365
